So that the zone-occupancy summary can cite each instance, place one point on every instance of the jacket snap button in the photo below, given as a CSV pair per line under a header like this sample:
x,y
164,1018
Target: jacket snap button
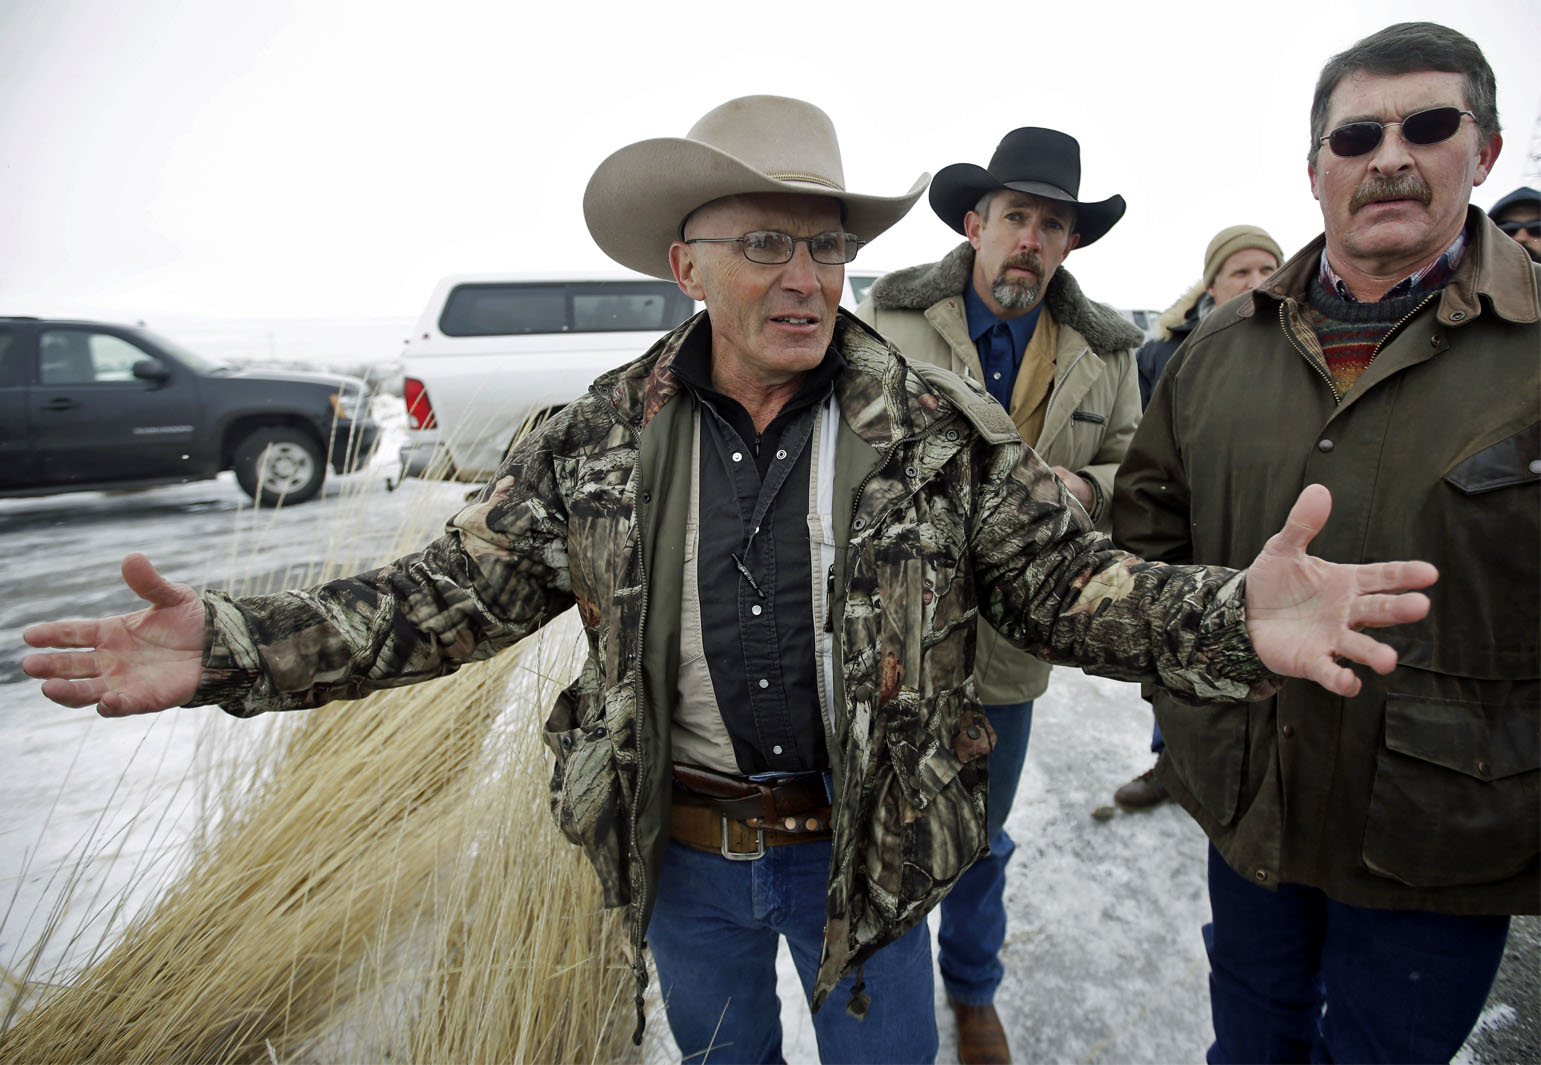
x,y
647,497
1456,316
910,471
859,523
951,434
1261,875
973,732
1434,341
1535,465
1288,730
1324,446
601,732
1482,768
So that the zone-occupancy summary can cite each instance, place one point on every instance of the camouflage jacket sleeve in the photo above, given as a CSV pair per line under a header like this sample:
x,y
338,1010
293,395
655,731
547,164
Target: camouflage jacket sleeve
x,y
1051,585
498,574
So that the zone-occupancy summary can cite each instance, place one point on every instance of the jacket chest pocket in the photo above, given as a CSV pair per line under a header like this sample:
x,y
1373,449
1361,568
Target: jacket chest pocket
x,y
1457,792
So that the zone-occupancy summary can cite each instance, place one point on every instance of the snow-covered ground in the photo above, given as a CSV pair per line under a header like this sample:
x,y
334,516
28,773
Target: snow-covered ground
x,y
1103,958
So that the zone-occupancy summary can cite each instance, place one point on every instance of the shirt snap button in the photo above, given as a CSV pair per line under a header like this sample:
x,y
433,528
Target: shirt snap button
x,y
781,453
738,456
776,749
764,683
755,610
1324,446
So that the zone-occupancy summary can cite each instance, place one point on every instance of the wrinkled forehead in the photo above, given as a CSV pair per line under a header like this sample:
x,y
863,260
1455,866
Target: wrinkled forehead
x,y
787,212
1385,97
1011,199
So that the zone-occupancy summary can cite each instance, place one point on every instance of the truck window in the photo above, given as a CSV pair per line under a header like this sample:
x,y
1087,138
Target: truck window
x,y
517,308
503,310
79,357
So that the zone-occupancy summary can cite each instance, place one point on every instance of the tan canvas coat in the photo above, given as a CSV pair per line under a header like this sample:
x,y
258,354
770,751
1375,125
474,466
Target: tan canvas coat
x,y
1093,408
1424,790
943,517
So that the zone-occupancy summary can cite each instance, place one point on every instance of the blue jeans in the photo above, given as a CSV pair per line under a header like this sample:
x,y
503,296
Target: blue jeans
x,y
1296,976
713,937
973,924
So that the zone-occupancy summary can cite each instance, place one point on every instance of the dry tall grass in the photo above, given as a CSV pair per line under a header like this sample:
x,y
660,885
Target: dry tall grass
x,y
382,882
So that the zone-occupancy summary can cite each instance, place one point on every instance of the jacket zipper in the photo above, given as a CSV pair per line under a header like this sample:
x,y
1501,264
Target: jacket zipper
x,y
1337,397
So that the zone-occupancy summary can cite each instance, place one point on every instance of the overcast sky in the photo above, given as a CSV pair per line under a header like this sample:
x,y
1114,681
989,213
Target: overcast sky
x,y
289,157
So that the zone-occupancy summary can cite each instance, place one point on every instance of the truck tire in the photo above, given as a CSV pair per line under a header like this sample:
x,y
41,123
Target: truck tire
x,y
279,465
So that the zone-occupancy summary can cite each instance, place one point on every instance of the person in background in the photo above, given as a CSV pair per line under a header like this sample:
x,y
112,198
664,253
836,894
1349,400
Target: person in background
x,y
1000,309
1237,260
1519,215
1366,852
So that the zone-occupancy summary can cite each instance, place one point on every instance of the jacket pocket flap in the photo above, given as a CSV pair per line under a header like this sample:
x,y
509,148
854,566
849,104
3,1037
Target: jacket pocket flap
x,y
1484,742
1513,460
1088,416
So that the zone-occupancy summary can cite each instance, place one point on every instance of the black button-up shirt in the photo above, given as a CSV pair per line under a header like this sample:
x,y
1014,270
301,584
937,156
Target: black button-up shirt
x,y
755,568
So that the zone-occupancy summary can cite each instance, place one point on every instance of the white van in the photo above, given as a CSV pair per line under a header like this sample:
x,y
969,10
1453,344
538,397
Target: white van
x,y
493,353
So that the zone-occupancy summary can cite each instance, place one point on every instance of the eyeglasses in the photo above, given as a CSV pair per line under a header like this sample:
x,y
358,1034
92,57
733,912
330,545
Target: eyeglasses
x,y
1530,229
772,248
1421,127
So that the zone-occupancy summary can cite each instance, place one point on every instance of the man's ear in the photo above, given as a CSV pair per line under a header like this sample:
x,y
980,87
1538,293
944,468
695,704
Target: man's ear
x,y
687,271
1072,244
1316,191
973,222
1487,157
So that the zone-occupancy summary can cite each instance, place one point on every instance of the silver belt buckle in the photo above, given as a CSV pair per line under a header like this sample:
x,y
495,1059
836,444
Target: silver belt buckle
x,y
742,856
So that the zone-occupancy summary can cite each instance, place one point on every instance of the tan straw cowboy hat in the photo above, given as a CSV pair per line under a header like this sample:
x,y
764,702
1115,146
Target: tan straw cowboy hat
x,y
639,197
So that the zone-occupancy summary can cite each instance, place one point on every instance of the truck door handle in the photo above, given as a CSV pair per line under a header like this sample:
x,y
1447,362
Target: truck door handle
x,y
61,403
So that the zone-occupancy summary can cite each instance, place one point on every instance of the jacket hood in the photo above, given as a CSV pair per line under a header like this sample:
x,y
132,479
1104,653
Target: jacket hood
x,y
1180,318
917,287
1495,273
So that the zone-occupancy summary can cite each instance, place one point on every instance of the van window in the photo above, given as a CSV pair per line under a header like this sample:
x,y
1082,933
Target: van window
x,y
514,308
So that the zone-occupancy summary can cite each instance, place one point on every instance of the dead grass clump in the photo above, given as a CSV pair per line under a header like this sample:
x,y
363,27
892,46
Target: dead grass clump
x,y
385,883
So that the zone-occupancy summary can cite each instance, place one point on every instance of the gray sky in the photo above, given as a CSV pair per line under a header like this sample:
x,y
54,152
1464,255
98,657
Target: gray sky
x,y
319,157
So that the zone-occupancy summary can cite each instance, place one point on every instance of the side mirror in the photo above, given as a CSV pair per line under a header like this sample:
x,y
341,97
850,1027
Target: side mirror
x,y
151,370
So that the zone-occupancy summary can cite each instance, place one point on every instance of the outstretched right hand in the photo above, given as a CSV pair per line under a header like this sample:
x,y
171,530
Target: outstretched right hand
x,y
137,663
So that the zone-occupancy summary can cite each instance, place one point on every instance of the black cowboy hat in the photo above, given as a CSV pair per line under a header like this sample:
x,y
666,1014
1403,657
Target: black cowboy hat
x,y
1042,162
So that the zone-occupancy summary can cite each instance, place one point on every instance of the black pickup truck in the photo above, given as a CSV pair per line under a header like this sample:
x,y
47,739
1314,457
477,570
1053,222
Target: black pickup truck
x,y
90,406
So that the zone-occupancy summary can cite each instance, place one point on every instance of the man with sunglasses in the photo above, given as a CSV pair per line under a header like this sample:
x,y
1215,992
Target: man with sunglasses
x,y
1519,215
1366,852
1000,309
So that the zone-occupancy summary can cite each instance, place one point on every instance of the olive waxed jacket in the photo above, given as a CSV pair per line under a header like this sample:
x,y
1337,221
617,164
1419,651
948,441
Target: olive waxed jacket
x,y
941,516
1424,790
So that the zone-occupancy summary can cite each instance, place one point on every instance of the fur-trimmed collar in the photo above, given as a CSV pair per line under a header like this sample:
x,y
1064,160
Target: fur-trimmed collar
x,y
917,287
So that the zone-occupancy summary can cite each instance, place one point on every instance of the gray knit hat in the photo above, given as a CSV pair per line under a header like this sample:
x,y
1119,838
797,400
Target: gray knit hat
x,y
1233,239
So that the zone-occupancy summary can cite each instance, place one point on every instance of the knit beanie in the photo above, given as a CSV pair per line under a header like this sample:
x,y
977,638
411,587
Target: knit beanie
x,y
1231,240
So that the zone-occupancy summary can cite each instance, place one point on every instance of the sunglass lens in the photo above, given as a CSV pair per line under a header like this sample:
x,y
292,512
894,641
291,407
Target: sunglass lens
x,y
1431,126
1356,138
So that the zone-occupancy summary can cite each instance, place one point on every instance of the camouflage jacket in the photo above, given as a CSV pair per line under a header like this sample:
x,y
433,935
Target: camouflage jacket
x,y
950,517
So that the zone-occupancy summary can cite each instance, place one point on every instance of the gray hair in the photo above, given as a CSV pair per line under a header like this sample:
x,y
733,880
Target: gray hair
x,y
1411,48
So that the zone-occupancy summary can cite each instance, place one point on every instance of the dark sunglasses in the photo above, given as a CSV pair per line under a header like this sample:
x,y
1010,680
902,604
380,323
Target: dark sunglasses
x,y
1421,127
1530,229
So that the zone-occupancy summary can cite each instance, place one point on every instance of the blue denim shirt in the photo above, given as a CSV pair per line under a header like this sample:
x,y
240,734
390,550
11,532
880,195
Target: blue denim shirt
x,y
1000,343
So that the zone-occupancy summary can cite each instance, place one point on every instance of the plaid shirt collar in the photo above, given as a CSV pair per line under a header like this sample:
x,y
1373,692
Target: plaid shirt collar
x,y
1428,279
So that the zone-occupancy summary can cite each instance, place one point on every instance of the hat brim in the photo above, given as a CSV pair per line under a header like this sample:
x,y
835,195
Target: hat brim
x,y
639,196
957,188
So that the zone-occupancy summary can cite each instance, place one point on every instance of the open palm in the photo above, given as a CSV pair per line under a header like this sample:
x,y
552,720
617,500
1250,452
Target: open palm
x,y
135,663
1304,614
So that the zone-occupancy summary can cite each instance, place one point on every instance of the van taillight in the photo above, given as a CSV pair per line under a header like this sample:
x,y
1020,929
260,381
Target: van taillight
x,y
419,409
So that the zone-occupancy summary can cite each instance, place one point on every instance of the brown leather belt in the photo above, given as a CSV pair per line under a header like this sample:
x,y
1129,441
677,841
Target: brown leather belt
x,y
738,818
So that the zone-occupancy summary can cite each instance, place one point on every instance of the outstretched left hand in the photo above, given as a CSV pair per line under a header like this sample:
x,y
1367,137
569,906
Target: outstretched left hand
x,y
1304,613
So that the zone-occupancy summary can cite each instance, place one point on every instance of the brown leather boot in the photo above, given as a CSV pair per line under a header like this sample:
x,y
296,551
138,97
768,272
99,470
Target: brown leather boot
x,y
981,1039
1142,793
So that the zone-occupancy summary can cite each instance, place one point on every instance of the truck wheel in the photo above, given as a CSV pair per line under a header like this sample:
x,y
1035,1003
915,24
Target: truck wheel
x,y
279,465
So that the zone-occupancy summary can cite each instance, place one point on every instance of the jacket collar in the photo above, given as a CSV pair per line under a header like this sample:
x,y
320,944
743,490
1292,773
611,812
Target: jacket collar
x,y
916,288
1493,267
878,397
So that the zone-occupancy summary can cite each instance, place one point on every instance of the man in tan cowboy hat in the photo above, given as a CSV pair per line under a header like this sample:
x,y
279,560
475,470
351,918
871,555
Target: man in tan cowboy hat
x,y
999,309
777,534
